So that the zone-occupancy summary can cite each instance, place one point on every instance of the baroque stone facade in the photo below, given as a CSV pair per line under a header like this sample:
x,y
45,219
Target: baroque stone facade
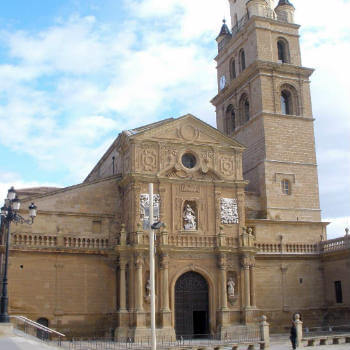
x,y
243,234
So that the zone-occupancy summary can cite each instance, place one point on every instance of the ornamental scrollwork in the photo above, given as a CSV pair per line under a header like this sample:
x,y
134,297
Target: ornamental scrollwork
x,y
229,211
144,209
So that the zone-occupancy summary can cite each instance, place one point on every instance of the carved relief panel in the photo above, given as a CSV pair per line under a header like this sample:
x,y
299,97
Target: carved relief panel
x,y
229,211
147,157
144,209
227,165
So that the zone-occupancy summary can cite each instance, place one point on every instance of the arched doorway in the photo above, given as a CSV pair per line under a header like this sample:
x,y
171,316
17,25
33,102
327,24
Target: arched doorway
x,y
41,334
191,305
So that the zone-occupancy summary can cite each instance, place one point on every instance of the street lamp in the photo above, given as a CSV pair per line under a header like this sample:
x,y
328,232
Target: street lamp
x,y
9,213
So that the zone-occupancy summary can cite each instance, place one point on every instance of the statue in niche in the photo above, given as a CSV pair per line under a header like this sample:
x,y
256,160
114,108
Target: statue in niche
x,y
189,217
230,288
148,288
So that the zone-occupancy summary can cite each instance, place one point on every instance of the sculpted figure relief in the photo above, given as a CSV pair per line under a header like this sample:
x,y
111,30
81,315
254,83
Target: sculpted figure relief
x,y
148,288
230,288
189,217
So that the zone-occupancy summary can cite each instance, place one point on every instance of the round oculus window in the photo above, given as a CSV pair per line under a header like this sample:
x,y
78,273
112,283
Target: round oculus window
x,y
188,160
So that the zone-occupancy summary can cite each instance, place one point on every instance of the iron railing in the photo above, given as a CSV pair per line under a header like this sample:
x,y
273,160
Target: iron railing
x,y
37,330
241,335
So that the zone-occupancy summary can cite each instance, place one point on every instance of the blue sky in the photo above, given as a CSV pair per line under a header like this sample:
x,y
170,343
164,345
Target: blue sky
x,y
74,73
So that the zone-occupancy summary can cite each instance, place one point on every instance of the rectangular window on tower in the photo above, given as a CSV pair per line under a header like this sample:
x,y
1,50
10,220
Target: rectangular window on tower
x,y
338,292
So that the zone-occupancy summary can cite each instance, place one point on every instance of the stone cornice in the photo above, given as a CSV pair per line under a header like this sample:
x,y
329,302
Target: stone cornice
x,y
137,177
253,70
61,250
69,213
250,28
70,188
287,222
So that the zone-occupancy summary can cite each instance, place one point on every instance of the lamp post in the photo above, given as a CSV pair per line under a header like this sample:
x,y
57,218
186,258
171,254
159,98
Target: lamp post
x,y
9,213
152,226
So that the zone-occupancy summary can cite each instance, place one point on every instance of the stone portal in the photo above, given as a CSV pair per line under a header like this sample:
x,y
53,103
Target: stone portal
x,y
191,305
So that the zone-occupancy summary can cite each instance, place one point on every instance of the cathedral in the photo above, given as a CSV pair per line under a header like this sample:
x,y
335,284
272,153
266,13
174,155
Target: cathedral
x,y
242,235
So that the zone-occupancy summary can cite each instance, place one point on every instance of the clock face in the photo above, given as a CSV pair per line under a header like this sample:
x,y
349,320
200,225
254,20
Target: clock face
x,y
222,82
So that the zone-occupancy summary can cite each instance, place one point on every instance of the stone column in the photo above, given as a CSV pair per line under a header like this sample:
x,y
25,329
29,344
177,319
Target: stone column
x,y
165,282
284,269
121,331
223,287
122,284
223,314
138,283
246,282
252,285
164,309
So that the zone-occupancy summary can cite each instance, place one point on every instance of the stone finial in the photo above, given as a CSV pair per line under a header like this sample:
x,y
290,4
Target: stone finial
x,y
347,231
224,29
122,235
265,332
138,234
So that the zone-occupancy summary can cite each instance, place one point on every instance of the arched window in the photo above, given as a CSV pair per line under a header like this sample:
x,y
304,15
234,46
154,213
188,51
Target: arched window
x,y
242,60
244,109
289,100
233,69
286,187
286,102
230,117
283,51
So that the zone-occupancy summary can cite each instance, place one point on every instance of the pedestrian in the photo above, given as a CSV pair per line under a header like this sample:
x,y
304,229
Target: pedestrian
x,y
293,335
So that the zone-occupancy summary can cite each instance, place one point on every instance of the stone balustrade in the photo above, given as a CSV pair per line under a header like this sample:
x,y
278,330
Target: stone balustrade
x,y
301,248
39,240
288,248
192,241
33,240
335,244
87,243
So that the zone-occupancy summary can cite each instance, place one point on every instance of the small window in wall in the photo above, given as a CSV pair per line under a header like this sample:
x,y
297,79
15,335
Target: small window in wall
x,y
338,292
286,187
286,102
96,226
283,52
233,69
242,60
244,109
230,120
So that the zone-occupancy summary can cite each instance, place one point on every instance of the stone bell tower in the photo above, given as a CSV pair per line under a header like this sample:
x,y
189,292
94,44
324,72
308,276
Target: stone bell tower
x,y
264,102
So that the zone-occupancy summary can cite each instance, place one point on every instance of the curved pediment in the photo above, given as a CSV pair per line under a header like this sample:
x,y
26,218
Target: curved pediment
x,y
177,172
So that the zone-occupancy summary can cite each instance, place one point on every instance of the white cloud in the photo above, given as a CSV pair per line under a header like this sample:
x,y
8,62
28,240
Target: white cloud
x,y
8,179
337,226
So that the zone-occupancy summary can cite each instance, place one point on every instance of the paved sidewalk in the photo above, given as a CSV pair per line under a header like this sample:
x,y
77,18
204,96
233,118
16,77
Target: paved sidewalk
x,y
23,343
288,346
